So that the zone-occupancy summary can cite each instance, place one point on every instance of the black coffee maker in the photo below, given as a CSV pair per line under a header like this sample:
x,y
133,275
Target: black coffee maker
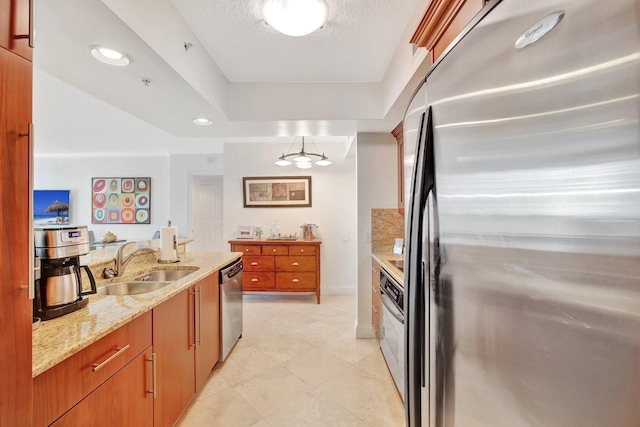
x,y
59,289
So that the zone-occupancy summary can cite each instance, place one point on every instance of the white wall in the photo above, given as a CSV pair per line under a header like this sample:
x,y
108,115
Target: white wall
x,y
75,173
377,188
183,168
333,205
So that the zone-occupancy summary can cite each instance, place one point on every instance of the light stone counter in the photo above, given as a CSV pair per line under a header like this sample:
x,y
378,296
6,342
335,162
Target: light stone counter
x,y
60,338
387,261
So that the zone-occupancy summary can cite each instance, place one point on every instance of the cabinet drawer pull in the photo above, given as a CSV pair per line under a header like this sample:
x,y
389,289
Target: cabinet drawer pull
x,y
254,280
246,250
301,250
254,263
274,250
295,280
295,264
375,310
119,351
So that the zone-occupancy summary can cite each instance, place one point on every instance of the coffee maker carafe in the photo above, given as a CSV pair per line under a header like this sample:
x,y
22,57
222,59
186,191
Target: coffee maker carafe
x,y
59,290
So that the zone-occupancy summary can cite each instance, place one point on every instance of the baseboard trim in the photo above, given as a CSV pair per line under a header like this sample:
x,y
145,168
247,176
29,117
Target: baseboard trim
x,y
337,290
365,331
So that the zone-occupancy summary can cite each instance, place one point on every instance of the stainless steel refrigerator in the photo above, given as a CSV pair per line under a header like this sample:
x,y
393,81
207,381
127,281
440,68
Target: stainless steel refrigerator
x,y
522,275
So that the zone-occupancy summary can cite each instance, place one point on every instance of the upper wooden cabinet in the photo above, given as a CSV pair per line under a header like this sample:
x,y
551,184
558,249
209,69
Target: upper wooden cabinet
x,y
442,22
397,133
16,26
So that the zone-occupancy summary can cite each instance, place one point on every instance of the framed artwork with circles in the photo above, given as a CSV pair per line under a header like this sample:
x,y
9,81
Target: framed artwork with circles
x,y
121,200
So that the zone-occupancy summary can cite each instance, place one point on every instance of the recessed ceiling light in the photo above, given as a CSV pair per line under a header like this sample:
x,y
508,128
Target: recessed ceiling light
x,y
295,17
202,121
109,56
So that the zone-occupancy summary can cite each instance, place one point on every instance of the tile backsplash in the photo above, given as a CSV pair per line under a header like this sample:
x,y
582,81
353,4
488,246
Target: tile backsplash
x,y
386,226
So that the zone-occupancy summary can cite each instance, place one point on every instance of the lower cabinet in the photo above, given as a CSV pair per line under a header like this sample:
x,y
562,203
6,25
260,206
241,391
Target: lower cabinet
x,y
186,341
126,399
144,373
65,387
174,345
208,332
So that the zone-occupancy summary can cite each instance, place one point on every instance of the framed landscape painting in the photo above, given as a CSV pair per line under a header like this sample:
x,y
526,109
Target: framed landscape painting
x,y
277,191
51,207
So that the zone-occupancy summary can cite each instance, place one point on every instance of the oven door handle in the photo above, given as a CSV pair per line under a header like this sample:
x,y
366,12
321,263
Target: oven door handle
x,y
388,303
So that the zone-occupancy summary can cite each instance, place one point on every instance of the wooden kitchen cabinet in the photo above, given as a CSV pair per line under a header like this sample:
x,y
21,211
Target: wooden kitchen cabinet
x,y
186,341
280,265
15,27
15,306
174,345
126,399
397,133
442,22
376,302
65,385
208,331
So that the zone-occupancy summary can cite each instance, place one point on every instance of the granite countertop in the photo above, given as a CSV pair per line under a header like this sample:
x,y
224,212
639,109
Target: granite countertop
x,y
60,338
388,262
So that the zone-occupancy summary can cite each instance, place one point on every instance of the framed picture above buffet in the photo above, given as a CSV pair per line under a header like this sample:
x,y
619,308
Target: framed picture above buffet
x,y
277,191
121,200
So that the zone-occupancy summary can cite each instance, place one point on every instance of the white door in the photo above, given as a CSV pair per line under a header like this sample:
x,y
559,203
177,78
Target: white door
x,y
206,208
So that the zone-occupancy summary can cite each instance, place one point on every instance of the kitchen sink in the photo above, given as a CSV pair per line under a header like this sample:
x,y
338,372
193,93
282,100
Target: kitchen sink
x,y
163,275
132,288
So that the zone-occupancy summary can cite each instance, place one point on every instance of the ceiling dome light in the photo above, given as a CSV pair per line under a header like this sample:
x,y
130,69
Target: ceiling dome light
x,y
109,56
202,121
295,17
303,165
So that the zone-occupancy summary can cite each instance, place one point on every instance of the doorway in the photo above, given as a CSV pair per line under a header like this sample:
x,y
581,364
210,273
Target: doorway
x,y
206,211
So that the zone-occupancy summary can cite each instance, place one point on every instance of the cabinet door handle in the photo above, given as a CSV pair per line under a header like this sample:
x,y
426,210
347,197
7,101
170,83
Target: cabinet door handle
x,y
295,264
119,351
301,250
199,300
254,280
195,339
153,374
295,280
375,310
29,36
254,263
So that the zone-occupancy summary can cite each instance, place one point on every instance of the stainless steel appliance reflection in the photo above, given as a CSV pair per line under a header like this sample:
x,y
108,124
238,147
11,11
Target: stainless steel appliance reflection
x,y
392,328
58,289
523,259
230,307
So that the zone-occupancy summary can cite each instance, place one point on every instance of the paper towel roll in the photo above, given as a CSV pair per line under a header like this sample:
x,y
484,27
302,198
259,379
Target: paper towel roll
x,y
168,243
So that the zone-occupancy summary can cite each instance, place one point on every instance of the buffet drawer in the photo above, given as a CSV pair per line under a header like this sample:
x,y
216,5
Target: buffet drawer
x,y
302,250
247,249
257,263
296,263
257,280
299,281
274,250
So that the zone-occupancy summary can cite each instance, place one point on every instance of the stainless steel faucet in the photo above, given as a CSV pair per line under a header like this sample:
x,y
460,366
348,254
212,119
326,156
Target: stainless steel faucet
x,y
122,261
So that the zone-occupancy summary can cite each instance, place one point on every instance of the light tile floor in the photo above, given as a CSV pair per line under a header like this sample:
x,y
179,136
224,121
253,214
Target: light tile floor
x,y
299,364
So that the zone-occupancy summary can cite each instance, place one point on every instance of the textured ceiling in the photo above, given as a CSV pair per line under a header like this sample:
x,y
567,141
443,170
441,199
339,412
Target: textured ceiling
x,y
355,45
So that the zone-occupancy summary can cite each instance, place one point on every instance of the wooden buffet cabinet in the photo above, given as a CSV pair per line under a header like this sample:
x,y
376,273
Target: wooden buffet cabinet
x,y
280,265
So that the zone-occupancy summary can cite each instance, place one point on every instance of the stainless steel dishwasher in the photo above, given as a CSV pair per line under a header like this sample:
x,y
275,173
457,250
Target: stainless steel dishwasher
x,y
230,307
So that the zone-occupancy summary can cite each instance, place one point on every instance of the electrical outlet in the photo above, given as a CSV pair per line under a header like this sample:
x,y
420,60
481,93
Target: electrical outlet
x,y
367,237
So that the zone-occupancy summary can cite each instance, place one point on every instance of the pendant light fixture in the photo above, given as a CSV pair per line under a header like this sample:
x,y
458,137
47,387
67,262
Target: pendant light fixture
x,y
302,159
295,17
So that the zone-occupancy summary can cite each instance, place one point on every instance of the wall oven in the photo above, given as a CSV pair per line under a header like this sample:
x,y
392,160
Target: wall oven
x,y
392,328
